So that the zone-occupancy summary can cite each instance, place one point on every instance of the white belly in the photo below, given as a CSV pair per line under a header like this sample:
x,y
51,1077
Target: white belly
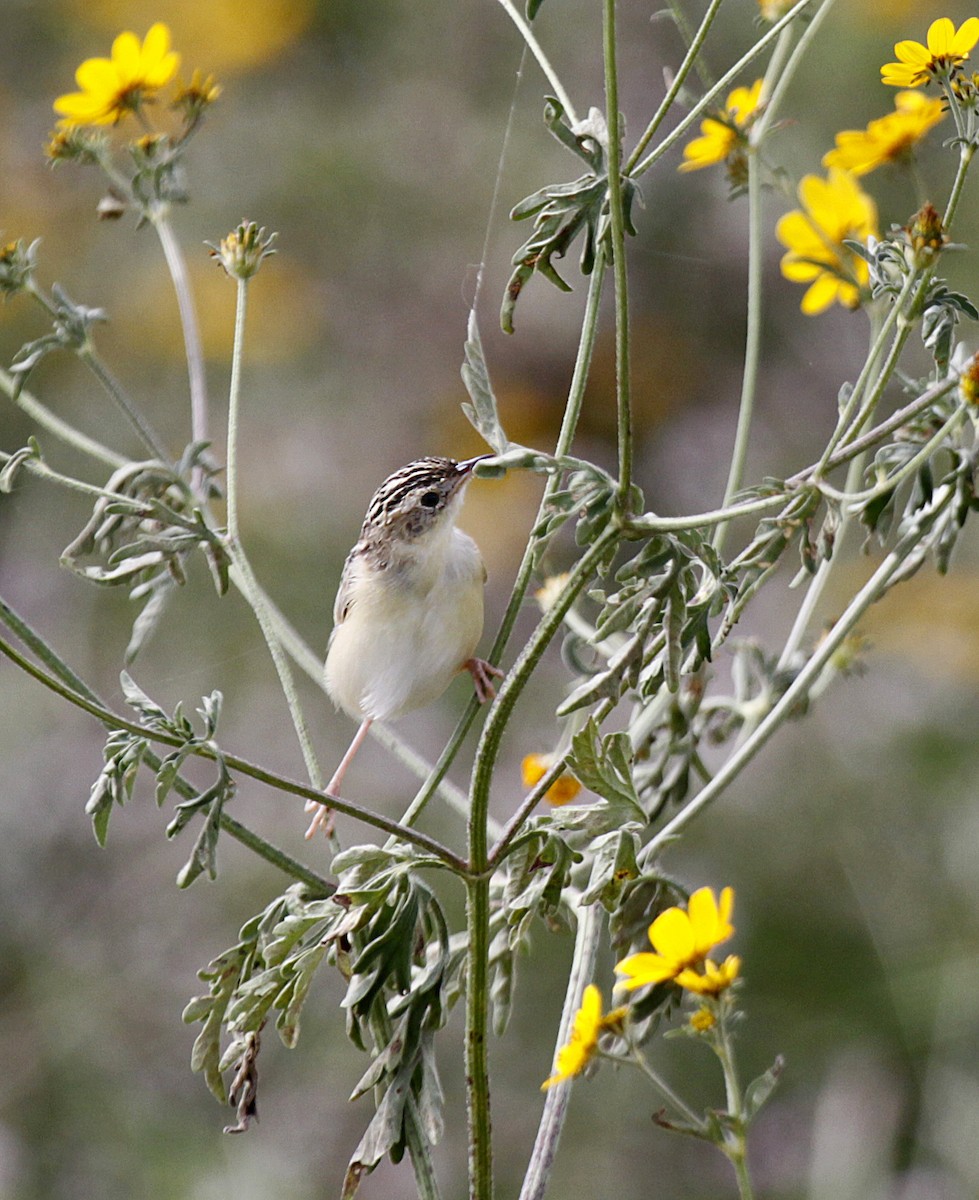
x,y
400,646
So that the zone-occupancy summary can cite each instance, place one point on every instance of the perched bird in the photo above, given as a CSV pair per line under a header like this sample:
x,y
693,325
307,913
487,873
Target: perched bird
x,y
409,609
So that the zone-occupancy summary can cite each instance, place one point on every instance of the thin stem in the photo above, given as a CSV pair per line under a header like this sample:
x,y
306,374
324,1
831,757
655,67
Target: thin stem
x,y
664,1089
234,409
242,765
188,320
787,75
634,169
256,600
245,576
114,389
44,417
510,690
690,59
856,396
535,48
623,380
749,380
257,844
818,582
965,158
797,690
587,936
477,1020
689,36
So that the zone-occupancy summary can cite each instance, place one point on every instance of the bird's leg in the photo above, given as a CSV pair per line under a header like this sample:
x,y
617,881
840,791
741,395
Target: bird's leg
x,y
324,814
483,674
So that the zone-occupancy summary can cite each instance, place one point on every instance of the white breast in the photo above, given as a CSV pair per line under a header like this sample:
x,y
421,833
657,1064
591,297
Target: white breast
x,y
408,630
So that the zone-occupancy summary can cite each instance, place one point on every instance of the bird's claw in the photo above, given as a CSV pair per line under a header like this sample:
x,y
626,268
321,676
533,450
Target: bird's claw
x,y
483,674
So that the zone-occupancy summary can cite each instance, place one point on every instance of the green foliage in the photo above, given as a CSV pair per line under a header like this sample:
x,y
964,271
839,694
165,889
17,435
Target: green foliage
x,y
563,212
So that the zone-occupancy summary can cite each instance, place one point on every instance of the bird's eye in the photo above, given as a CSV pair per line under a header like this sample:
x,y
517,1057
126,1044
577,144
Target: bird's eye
x,y
431,499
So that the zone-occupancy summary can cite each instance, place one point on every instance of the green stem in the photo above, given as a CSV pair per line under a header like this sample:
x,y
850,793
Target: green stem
x,y
707,101
663,1088
855,401
242,765
114,389
245,576
965,158
477,1022
798,689
689,37
587,937
690,59
537,51
818,582
33,408
510,690
788,74
188,320
623,380
234,410
749,380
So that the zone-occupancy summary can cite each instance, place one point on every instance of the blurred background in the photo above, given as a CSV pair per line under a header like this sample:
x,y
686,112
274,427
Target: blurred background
x,y
370,137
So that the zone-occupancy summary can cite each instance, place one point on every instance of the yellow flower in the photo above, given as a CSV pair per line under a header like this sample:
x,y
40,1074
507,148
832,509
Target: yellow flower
x,y
833,210
714,980
681,939
947,47
562,791
724,134
111,87
703,1019
588,1025
547,595
888,138
969,382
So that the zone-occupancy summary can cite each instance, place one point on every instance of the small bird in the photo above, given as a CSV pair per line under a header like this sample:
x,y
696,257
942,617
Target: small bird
x,y
409,609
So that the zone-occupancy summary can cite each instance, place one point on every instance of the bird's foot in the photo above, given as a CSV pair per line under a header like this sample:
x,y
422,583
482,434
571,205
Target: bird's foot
x,y
322,819
483,674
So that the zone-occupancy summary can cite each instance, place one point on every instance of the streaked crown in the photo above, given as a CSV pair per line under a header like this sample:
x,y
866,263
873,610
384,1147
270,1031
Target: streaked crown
x,y
410,502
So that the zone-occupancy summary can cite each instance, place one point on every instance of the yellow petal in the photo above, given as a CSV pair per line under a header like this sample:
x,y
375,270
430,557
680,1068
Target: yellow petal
x,y
126,54
821,295
672,935
643,969
966,38
898,75
913,54
97,75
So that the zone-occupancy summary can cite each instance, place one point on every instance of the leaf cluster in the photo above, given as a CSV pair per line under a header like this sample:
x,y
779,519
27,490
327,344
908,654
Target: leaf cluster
x,y
565,211
143,528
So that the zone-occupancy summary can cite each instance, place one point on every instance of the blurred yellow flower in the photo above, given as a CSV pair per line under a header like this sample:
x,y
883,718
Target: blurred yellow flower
x,y
714,980
772,10
833,210
562,791
969,382
947,47
888,138
111,87
724,133
588,1025
681,939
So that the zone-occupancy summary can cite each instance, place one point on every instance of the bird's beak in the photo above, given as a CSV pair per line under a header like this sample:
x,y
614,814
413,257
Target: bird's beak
x,y
465,468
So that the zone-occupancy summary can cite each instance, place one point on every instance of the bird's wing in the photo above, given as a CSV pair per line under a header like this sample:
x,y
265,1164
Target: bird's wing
x,y
344,600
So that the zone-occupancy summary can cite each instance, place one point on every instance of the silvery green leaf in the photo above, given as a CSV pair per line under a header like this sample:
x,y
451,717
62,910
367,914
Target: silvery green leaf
x,y
604,766
758,1091
483,413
